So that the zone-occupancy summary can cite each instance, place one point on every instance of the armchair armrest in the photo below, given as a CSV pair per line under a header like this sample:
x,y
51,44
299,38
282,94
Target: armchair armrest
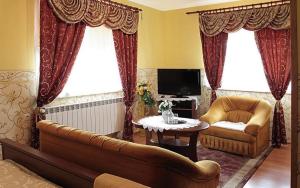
x,y
252,129
215,113
259,118
111,181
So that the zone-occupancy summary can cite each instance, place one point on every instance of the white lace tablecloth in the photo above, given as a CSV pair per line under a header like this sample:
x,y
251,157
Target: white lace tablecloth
x,y
156,123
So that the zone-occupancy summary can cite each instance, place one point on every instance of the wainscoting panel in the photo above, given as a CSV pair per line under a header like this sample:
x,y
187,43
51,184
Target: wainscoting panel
x,y
102,117
16,105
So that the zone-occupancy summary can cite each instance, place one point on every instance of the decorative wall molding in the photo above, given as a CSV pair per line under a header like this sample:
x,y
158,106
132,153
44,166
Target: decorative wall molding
x,y
17,99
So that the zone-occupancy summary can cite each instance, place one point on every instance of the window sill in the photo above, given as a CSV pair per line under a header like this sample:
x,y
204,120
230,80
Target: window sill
x,y
90,95
244,91
85,98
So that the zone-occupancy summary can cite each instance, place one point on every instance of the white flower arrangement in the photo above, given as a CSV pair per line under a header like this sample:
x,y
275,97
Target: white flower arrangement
x,y
165,105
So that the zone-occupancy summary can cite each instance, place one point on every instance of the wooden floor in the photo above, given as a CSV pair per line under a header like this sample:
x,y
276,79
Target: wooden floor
x,y
273,173
275,170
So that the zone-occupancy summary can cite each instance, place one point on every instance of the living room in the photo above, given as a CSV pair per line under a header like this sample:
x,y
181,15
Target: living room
x,y
168,38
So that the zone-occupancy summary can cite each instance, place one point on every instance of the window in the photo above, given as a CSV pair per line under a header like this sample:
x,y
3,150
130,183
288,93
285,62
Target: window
x,y
95,69
243,69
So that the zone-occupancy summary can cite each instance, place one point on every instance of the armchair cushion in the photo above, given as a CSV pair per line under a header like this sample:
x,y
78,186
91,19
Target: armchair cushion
x,y
239,126
228,134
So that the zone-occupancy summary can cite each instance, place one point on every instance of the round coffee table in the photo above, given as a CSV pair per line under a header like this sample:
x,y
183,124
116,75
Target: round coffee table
x,y
177,139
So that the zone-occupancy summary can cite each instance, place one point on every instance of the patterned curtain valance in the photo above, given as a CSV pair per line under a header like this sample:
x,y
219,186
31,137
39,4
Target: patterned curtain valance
x,y
274,17
96,13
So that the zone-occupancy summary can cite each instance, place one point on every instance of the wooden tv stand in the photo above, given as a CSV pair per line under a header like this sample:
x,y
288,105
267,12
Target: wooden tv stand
x,y
184,108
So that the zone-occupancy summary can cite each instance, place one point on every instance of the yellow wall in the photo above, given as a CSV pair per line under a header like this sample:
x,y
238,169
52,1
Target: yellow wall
x,y
182,41
16,35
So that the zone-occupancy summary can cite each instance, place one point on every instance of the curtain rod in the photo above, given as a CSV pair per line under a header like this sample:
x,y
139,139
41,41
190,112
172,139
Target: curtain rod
x,y
112,3
242,7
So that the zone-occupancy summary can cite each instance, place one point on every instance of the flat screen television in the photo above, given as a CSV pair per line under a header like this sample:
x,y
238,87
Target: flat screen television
x,y
179,82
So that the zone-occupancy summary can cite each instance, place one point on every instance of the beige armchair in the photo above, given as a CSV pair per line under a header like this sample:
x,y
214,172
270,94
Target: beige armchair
x,y
247,134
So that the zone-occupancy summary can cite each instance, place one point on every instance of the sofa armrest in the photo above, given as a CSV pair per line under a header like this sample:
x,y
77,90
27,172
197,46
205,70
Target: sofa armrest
x,y
209,169
111,181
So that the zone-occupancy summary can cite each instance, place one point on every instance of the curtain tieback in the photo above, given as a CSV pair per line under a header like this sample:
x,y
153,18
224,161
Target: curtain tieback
x,y
278,105
40,114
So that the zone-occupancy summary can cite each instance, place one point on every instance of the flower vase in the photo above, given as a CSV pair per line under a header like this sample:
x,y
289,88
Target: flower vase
x,y
167,115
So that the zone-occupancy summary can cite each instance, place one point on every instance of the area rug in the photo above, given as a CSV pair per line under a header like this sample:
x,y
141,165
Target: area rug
x,y
236,170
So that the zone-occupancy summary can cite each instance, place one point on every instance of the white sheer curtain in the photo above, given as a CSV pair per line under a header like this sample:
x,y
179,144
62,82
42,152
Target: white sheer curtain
x,y
243,68
95,70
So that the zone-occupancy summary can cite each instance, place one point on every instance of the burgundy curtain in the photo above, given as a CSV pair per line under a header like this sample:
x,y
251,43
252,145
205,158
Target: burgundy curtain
x,y
126,51
60,43
275,50
214,51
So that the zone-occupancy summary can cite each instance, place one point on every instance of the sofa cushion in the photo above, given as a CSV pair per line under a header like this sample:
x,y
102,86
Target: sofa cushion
x,y
228,134
111,181
239,126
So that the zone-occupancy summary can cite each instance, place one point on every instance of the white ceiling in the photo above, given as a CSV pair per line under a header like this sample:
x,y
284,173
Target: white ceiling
x,y
165,5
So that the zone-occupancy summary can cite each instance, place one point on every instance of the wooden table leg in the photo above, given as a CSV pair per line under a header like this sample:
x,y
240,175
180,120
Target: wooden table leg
x,y
148,137
160,137
193,147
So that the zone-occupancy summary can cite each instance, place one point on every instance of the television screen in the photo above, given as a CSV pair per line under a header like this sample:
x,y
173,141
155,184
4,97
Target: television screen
x,y
179,82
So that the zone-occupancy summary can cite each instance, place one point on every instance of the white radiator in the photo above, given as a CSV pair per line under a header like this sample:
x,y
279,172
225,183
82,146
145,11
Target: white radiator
x,y
102,117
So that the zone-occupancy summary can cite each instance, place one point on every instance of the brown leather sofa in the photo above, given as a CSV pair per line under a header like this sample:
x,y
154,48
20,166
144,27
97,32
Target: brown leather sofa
x,y
253,112
147,165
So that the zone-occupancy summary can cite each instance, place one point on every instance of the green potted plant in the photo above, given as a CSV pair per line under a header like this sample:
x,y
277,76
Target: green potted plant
x,y
146,105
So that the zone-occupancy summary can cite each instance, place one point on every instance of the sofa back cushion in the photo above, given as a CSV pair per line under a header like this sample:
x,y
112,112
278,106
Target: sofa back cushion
x,y
238,116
